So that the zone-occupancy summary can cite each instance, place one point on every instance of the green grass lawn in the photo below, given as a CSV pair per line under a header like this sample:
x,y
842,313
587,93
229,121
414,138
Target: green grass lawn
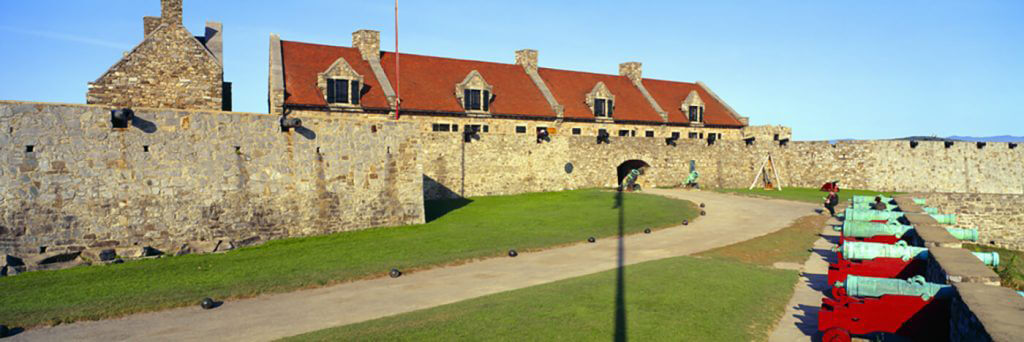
x,y
1011,265
480,228
805,194
724,294
789,244
675,299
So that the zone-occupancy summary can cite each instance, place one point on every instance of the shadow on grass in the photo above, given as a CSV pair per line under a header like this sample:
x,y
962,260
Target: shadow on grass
x,y
434,209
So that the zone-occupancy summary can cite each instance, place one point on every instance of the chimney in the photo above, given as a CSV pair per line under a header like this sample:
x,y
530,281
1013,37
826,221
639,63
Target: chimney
x,y
149,24
171,11
633,70
368,43
527,58
215,39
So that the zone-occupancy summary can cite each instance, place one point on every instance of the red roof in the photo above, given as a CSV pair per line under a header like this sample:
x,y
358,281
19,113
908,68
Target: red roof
x,y
302,62
670,96
428,84
571,88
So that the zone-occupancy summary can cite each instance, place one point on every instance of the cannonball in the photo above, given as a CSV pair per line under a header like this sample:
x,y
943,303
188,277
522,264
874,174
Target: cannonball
x,y
513,253
647,231
591,239
686,222
702,213
702,205
207,303
395,273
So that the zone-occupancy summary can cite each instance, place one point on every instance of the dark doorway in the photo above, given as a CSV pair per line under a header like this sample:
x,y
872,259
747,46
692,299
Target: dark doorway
x,y
629,165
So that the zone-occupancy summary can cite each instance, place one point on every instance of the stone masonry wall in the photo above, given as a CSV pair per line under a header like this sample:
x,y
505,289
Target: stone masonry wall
x,y
69,180
169,69
511,163
998,217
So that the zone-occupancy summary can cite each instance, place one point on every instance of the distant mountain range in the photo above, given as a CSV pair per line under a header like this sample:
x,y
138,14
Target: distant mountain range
x,y
997,138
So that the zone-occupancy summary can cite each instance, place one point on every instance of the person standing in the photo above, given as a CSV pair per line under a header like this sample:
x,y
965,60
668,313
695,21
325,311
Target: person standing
x,y
878,205
831,202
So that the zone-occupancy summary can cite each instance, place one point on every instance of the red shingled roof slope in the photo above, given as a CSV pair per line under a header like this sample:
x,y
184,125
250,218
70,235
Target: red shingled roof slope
x,y
303,61
670,96
571,88
428,83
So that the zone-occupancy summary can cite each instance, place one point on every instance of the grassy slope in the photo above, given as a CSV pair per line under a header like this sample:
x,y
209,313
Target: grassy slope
x,y
1011,268
805,194
486,227
675,299
789,244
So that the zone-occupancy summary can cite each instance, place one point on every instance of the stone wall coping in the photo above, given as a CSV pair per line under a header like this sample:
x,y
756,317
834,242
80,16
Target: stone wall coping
x,y
907,205
961,266
935,235
1000,310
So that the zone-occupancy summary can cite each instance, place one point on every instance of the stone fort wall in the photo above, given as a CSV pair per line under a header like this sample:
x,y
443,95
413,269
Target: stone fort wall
x,y
176,176
72,181
504,163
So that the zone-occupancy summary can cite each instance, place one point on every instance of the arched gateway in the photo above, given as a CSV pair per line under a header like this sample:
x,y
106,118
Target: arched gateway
x,y
628,166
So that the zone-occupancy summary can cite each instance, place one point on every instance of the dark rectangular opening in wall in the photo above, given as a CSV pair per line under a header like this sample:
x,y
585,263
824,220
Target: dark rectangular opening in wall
x,y
623,132
225,101
649,134
439,127
692,135
487,128
776,137
577,131
520,129
675,135
700,136
145,148
30,148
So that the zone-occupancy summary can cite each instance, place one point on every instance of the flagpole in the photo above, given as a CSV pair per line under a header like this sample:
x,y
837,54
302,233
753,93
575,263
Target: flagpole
x,y
398,75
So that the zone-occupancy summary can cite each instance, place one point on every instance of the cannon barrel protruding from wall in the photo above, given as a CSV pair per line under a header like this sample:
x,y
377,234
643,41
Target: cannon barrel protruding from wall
x,y
866,229
858,286
853,250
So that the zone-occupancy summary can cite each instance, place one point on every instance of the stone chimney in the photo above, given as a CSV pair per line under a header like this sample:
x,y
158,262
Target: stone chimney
x,y
633,70
149,24
527,58
214,39
368,43
170,11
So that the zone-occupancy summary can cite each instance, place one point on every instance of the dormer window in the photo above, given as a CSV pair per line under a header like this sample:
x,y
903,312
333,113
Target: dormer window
x,y
475,94
693,106
340,85
341,90
604,108
696,114
476,99
601,101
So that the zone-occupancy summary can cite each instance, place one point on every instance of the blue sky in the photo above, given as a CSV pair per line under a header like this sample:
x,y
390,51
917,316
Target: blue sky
x,y
829,69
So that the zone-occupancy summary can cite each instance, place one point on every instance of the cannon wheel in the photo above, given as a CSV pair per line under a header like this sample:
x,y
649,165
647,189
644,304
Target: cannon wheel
x,y
835,335
636,187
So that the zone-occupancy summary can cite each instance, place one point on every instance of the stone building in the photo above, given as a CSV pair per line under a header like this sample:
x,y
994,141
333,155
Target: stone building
x,y
449,95
170,68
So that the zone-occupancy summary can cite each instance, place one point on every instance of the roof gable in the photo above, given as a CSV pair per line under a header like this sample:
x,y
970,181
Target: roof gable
x,y
158,36
671,96
572,87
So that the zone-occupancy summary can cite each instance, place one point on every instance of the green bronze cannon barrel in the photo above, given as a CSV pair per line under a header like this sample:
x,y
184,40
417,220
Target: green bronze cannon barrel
x,y
853,250
964,234
865,205
871,215
858,286
944,218
919,201
930,210
869,199
866,229
988,258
